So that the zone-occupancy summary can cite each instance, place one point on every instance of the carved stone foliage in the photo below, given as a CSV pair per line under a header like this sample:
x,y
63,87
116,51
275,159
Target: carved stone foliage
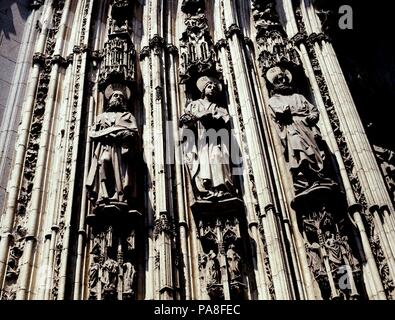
x,y
386,161
112,272
274,46
197,55
220,258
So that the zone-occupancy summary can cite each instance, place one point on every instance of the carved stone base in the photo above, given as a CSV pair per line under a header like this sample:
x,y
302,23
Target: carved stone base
x,y
232,206
113,211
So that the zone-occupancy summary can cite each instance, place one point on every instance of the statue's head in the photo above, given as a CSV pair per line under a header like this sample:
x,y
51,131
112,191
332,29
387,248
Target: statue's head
x,y
117,101
117,97
209,87
281,79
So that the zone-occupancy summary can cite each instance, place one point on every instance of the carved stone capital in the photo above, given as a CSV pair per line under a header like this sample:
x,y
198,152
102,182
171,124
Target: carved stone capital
x,y
96,55
249,42
299,38
80,49
70,58
172,49
221,43
39,58
59,60
317,38
158,93
144,53
233,29
157,43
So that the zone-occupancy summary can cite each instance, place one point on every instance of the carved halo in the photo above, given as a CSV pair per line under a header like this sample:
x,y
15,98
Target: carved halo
x,y
272,73
117,87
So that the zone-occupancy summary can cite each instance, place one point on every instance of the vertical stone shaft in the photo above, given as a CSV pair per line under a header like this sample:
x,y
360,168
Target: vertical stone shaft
x,y
160,134
23,136
279,269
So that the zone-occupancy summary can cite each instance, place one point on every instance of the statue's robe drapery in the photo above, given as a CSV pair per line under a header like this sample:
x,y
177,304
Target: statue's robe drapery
x,y
296,120
208,157
111,175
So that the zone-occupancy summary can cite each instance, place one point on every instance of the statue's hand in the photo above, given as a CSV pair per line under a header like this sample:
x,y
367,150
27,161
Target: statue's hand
x,y
187,118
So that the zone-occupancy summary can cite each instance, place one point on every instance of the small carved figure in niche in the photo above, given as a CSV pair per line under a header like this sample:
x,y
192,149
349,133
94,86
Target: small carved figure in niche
x,y
110,176
297,120
213,275
207,144
334,251
233,260
348,255
314,259
93,280
109,279
129,274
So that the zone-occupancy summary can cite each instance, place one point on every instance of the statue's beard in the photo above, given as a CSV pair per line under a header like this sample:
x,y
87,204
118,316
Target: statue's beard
x,y
283,89
116,105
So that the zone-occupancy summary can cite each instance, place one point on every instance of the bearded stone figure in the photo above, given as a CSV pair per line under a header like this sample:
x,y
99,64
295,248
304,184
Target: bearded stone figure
x,y
296,120
111,178
207,143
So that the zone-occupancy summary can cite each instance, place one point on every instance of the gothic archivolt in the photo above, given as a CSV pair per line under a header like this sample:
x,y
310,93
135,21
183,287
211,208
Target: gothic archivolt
x,y
193,150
